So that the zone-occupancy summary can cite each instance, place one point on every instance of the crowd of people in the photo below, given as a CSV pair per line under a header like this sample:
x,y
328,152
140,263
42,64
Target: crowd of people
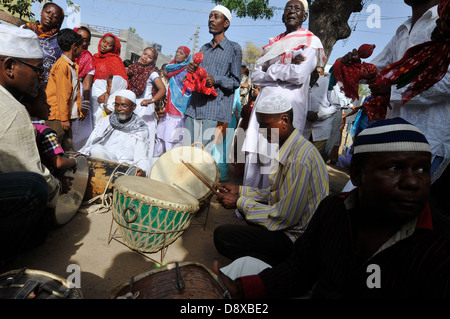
x,y
278,124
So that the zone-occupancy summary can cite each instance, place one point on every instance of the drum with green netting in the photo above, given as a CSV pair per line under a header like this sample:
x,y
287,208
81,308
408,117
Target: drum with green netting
x,y
150,214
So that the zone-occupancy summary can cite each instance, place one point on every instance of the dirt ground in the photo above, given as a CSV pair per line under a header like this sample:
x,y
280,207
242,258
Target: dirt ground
x,y
104,265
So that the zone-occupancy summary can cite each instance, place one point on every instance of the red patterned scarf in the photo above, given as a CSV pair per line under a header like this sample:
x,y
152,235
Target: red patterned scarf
x,y
140,73
86,62
422,65
109,63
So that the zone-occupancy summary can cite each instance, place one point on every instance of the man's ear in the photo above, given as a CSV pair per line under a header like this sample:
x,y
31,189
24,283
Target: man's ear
x,y
305,16
356,174
8,67
227,23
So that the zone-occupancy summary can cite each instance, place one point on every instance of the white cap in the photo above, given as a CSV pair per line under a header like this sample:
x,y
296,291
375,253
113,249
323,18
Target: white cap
x,y
19,43
273,104
305,4
223,10
127,94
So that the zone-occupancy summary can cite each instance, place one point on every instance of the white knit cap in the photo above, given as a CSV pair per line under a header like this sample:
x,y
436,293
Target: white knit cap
x,y
305,4
19,43
223,10
273,104
127,94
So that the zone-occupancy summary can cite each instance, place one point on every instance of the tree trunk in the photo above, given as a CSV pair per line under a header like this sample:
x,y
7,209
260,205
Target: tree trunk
x,y
329,21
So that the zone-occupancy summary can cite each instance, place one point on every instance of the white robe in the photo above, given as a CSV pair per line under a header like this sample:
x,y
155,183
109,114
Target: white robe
x,y
122,147
291,81
147,113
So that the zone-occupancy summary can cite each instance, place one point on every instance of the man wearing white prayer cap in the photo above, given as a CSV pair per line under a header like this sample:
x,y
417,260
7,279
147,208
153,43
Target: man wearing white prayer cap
x,y
282,211
27,188
284,68
121,136
222,58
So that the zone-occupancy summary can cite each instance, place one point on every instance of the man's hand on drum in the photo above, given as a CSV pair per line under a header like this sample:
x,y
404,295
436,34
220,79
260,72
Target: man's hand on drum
x,y
228,188
233,286
228,200
140,172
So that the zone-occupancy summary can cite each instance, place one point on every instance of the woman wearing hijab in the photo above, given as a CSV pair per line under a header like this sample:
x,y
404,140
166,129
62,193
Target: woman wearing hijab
x,y
52,17
168,132
146,83
107,62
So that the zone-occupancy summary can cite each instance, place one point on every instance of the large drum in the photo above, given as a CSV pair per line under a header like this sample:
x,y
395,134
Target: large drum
x,y
174,281
35,284
169,169
150,214
102,175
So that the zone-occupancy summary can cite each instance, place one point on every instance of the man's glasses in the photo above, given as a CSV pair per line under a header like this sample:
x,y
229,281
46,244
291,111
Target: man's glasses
x,y
37,69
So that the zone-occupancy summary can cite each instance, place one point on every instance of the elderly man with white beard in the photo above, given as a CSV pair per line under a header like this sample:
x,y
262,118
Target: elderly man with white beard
x,y
121,136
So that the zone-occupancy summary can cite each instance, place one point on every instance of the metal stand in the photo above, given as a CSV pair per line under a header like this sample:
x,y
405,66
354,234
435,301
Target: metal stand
x,y
113,236
206,217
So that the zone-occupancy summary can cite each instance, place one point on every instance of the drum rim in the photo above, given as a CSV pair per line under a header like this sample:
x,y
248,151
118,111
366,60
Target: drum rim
x,y
115,291
209,193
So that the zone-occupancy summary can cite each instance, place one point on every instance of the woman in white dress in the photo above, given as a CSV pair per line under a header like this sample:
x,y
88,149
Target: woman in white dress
x,y
146,83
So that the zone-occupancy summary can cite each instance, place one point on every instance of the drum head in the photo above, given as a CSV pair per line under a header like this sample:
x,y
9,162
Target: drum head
x,y
188,280
68,204
170,170
155,192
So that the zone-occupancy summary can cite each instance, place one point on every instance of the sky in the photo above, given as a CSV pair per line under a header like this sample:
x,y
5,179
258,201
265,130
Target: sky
x,y
173,23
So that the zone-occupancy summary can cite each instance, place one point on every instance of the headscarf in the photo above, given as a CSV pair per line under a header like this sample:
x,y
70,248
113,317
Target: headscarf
x,y
348,76
118,84
176,73
109,63
140,73
85,62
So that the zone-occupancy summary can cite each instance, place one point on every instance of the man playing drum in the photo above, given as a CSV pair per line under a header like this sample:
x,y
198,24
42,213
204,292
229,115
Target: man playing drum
x,y
121,136
278,215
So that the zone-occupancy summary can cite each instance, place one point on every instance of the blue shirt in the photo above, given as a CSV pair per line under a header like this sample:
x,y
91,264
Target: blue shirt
x,y
223,63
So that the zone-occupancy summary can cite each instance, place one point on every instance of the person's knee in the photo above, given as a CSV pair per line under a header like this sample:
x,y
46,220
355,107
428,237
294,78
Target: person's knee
x,y
223,237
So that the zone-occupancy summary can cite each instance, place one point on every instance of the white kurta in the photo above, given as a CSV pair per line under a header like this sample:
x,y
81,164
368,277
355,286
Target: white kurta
x,y
318,102
430,110
121,147
147,113
291,81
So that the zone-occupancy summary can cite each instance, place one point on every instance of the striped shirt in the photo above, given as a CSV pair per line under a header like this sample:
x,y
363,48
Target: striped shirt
x,y
223,62
296,188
